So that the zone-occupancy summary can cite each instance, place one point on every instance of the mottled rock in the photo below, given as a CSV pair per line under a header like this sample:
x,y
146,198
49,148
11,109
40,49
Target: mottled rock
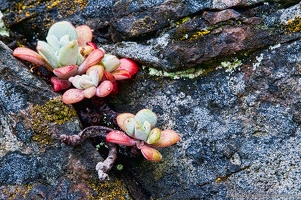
x,y
239,122
34,164
240,130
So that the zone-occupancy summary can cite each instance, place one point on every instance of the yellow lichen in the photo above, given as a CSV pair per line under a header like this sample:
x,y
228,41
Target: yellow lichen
x,y
182,20
294,25
53,112
109,190
194,35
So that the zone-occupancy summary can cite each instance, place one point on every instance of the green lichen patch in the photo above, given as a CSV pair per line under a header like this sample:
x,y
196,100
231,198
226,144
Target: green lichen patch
x,y
189,73
230,66
53,112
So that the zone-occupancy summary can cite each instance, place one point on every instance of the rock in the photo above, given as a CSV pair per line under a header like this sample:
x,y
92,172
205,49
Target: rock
x,y
239,122
173,35
240,130
34,164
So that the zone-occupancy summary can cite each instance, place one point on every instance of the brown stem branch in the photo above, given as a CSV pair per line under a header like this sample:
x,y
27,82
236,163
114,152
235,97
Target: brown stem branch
x,y
95,131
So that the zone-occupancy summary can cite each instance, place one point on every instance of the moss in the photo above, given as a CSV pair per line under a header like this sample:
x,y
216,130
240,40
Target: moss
x,y
114,189
54,112
294,25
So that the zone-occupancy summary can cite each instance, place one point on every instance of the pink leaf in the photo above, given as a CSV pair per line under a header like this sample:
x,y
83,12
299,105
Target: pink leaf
x,y
121,74
115,88
30,56
89,92
167,138
72,96
108,76
92,44
121,138
59,84
128,65
84,34
104,88
93,58
121,119
66,71
150,153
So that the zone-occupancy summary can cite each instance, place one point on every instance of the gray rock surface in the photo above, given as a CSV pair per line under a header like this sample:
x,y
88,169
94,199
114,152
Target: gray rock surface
x,y
240,130
239,122
33,163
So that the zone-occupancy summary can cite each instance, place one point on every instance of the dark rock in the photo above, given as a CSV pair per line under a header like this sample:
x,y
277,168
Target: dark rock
x,y
239,122
238,129
34,163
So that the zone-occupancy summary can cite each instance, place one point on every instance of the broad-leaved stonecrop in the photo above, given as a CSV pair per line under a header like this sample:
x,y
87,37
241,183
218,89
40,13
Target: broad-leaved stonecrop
x,y
74,60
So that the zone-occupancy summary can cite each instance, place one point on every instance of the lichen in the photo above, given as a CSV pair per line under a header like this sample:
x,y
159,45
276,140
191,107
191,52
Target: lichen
x,y
195,35
54,112
189,73
294,25
3,30
182,20
230,66
109,190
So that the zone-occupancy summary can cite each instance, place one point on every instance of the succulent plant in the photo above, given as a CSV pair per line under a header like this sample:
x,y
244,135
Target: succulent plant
x,y
76,61
69,53
140,130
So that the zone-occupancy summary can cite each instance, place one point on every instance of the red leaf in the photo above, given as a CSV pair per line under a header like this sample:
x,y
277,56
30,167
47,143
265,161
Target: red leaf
x,y
121,138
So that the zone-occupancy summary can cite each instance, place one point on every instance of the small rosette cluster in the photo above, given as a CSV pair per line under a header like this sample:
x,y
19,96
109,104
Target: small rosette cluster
x,y
140,130
74,60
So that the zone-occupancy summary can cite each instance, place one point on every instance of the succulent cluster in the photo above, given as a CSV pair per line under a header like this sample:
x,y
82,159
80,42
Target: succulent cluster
x,y
74,60
140,130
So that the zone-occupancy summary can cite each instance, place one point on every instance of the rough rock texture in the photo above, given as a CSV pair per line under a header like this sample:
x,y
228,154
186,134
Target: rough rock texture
x,y
239,122
33,163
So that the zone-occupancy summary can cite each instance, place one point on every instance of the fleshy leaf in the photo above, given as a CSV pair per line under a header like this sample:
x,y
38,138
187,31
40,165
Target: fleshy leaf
x,y
59,84
104,89
30,56
150,153
64,40
96,73
120,119
53,42
128,65
93,58
89,92
59,29
154,136
121,138
121,74
72,96
110,62
108,76
84,34
129,124
68,53
167,138
141,130
48,54
75,80
85,82
66,71
146,115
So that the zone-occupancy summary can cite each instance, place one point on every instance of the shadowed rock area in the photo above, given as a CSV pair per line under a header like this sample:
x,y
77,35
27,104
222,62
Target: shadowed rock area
x,y
224,74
